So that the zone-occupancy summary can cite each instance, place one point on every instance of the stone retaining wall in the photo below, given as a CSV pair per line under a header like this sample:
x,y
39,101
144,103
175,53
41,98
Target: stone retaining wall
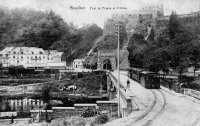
x,y
107,107
60,112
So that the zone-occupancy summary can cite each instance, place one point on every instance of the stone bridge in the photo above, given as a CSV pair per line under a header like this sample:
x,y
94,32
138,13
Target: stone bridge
x,y
127,105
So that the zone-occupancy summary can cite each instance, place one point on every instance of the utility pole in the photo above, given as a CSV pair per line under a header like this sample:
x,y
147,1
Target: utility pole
x,y
98,62
199,7
118,72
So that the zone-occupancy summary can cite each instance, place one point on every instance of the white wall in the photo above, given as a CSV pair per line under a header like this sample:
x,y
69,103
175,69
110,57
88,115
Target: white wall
x,y
78,64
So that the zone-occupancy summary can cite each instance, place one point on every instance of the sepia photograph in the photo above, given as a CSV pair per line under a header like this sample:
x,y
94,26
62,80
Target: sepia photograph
x,y
99,63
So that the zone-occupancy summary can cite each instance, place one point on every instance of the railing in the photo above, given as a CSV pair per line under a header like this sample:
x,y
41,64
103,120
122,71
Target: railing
x,y
192,93
125,95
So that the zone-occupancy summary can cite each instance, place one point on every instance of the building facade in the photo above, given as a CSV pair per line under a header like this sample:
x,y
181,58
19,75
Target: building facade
x,y
78,63
4,56
54,59
31,57
133,19
144,19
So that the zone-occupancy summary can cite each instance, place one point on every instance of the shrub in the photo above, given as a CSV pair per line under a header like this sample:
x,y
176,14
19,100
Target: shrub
x,y
186,79
89,113
101,119
194,86
80,75
78,121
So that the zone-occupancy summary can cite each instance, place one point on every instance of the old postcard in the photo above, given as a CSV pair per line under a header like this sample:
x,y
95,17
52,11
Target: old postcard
x,y
99,63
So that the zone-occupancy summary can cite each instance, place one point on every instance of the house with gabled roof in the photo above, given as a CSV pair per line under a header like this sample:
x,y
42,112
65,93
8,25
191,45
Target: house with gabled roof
x,y
31,57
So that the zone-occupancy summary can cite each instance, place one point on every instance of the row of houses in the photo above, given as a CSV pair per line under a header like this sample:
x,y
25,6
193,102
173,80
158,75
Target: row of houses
x,y
31,57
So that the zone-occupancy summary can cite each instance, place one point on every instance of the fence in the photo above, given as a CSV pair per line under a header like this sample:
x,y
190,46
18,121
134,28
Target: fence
x,y
192,93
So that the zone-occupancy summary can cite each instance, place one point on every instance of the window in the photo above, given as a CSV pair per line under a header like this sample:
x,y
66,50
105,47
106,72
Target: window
x,y
32,52
40,52
43,57
14,52
22,57
22,52
13,56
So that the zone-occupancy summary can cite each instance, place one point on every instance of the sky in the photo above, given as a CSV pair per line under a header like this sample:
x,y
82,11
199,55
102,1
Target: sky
x,y
89,15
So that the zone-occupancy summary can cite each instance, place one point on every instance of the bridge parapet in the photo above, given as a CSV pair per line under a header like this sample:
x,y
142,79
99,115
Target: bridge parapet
x,y
126,102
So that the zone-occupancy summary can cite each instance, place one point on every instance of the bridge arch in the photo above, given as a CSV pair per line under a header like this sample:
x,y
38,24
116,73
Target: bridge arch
x,y
107,64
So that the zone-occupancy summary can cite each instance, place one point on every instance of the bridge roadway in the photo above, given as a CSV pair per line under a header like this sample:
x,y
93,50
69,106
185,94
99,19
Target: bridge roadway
x,y
158,107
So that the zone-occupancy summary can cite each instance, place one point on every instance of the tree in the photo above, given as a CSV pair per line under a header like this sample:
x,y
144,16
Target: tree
x,y
194,55
174,25
137,47
180,52
45,32
176,47
151,36
156,59
175,40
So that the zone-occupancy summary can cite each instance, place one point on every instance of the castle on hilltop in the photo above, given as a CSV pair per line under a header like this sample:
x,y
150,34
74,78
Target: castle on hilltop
x,y
130,19
141,21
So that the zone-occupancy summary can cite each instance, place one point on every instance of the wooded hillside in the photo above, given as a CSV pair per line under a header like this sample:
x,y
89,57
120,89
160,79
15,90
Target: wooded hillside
x,y
47,30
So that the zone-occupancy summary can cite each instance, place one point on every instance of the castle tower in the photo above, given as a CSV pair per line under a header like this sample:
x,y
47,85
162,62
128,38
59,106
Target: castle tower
x,y
109,25
158,11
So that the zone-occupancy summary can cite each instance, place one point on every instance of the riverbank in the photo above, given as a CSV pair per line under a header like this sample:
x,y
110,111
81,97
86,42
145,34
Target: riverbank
x,y
71,121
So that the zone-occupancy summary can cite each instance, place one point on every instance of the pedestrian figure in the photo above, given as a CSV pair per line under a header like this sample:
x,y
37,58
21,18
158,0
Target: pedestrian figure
x,y
128,84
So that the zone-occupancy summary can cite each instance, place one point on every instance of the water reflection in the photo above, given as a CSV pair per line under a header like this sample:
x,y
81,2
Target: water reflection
x,y
21,105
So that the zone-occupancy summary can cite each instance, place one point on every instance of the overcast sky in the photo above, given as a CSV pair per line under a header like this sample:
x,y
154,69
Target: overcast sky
x,y
86,16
